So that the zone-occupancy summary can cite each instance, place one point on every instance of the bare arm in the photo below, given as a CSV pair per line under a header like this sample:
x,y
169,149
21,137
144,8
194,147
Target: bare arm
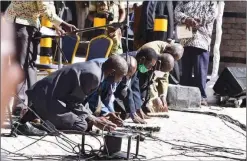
x,y
122,13
48,11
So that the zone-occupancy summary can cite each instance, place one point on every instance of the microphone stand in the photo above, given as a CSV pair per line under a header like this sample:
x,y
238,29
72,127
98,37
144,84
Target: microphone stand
x,y
80,30
95,28
127,28
59,38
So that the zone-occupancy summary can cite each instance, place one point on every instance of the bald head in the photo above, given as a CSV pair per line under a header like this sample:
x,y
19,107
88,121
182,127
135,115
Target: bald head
x,y
175,49
166,62
117,65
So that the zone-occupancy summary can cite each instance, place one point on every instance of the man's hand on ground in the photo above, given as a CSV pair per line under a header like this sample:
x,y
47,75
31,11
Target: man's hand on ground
x,y
136,119
141,114
114,118
104,124
164,104
158,104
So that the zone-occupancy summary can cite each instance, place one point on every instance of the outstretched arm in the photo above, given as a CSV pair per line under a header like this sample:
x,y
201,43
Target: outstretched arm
x,y
48,11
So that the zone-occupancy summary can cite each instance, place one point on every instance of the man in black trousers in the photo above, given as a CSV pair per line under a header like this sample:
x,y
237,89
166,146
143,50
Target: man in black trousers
x,y
60,97
26,17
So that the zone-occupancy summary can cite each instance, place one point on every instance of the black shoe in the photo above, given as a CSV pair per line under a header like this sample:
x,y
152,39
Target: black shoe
x,y
39,126
43,127
27,129
16,111
204,102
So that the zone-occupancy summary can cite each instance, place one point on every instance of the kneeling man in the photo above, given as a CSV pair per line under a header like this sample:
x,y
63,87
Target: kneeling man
x,y
60,97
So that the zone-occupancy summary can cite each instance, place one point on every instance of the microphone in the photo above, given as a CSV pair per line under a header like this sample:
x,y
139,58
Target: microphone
x,y
116,25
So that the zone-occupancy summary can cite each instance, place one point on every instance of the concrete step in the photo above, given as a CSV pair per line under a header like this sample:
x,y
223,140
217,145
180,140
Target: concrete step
x,y
183,97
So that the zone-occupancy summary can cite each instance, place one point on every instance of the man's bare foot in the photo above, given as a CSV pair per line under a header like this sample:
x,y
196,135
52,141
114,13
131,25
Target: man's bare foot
x,y
142,115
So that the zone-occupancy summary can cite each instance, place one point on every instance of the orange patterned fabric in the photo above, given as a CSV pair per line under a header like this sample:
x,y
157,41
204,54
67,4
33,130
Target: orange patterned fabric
x,y
29,12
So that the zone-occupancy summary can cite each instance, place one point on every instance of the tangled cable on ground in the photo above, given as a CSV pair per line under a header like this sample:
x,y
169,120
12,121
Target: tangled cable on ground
x,y
58,134
197,147
220,116
202,148
75,148
72,149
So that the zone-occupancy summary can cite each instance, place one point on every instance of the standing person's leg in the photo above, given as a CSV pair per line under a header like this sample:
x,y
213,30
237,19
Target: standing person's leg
x,y
149,36
187,65
22,43
81,13
32,53
29,66
201,71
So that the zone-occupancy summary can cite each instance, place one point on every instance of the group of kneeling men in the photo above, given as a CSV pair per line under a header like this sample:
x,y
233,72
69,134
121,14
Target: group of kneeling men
x,y
103,92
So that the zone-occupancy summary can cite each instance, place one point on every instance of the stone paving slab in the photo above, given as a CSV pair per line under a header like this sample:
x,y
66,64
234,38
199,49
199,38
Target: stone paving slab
x,y
181,129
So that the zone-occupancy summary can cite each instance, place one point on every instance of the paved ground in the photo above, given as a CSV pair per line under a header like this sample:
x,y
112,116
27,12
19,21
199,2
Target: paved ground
x,y
187,136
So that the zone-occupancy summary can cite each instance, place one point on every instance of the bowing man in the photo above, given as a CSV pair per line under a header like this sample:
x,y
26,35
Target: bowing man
x,y
104,105
60,97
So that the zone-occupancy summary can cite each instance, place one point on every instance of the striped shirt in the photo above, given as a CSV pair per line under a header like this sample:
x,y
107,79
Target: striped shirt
x,y
205,11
